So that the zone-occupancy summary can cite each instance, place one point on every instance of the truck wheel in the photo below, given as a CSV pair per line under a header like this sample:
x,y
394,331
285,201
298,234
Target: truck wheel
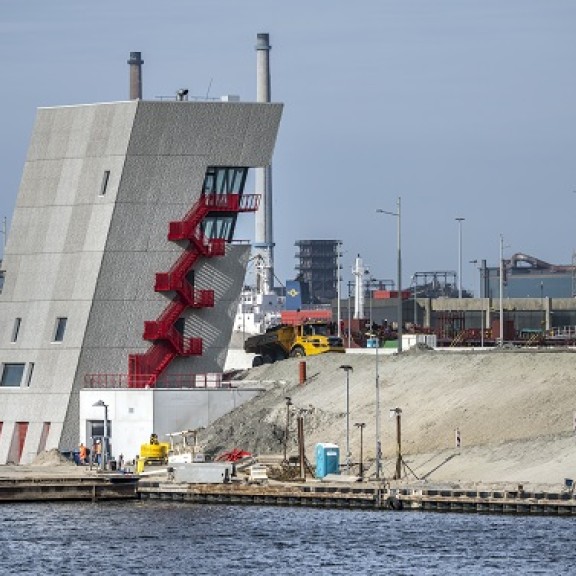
x,y
257,361
297,352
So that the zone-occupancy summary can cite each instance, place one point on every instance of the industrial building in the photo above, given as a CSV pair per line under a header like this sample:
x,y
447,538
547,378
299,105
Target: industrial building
x,y
120,268
526,276
317,270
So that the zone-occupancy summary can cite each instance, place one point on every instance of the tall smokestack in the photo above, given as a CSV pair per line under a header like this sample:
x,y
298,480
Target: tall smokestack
x,y
135,63
263,239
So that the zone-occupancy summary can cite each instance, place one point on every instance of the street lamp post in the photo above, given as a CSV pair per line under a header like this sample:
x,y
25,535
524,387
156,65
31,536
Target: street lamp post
x,y
501,290
105,437
347,368
378,442
460,220
361,426
398,214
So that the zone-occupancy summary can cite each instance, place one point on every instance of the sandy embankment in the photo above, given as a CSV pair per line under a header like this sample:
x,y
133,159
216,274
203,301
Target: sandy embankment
x,y
514,410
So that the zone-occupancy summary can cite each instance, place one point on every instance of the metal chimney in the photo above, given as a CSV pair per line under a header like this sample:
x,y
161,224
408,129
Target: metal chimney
x,y
263,238
135,63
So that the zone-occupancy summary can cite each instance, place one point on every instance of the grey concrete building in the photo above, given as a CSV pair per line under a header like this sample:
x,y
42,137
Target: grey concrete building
x,y
120,264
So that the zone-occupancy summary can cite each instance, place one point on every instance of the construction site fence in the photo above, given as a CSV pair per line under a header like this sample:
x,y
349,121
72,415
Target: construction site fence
x,y
208,380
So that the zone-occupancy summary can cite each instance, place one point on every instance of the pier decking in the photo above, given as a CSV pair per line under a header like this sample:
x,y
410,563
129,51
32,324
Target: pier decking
x,y
93,487
365,497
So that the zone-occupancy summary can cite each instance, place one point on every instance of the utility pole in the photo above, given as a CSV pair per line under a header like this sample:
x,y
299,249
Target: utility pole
x,y
398,412
361,426
288,404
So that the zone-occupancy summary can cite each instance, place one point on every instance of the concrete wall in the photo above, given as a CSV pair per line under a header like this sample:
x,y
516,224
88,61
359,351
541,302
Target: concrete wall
x,y
76,253
135,414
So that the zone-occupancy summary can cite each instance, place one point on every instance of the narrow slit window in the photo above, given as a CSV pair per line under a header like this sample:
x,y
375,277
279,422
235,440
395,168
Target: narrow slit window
x,y
104,185
29,374
60,329
16,329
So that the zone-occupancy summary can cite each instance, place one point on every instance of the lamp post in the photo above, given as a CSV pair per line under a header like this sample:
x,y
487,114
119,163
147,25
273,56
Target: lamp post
x,y
105,437
398,412
378,442
361,426
347,368
501,290
459,220
399,266
288,404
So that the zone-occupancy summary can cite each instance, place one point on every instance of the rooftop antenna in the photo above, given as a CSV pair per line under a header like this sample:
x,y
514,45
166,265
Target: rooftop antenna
x,y
209,86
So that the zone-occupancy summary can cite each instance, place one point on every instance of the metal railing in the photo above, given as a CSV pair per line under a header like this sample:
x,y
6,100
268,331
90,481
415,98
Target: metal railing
x,y
207,380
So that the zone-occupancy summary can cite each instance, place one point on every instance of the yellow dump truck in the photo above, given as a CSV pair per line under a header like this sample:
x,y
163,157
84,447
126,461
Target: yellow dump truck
x,y
284,341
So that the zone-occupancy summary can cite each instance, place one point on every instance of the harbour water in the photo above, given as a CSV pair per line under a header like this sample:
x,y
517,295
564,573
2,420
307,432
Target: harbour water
x,y
169,538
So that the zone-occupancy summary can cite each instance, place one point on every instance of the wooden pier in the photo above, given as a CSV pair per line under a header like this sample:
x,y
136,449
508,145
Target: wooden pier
x,y
51,489
365,497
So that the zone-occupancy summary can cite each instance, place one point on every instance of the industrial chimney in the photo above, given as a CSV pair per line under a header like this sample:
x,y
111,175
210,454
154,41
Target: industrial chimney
x,y
263,239
135,63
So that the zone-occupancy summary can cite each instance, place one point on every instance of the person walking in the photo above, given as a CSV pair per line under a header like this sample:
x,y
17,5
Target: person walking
x,y
98,452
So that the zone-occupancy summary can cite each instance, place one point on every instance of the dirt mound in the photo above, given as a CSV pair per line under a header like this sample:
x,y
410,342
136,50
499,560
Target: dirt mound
x,y
502,404
51,458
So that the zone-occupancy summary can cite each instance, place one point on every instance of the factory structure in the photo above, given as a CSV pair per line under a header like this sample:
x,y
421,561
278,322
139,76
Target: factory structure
x,y
121,272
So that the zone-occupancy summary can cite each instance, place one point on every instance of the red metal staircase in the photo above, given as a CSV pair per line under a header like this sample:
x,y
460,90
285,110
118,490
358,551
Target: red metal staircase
x,y
167,341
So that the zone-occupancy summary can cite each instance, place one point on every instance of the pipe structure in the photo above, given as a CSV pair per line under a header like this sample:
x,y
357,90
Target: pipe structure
x,y
347,368
263,237
135,63
460,220
398,214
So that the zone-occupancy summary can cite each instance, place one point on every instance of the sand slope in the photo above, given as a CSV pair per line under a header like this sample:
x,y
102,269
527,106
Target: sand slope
x,y
514,410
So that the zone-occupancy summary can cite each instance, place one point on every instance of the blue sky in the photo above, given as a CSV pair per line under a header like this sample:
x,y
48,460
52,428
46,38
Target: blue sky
x,y
464,108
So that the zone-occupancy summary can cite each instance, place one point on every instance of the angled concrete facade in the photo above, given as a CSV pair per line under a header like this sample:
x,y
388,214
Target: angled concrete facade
x,y
100,186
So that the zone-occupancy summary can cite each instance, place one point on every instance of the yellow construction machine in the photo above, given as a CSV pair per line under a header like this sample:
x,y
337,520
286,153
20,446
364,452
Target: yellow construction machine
x,y
284,341
154,453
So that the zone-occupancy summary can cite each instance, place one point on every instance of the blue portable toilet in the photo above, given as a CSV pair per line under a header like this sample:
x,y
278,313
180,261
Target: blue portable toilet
x,y
372,343
327,459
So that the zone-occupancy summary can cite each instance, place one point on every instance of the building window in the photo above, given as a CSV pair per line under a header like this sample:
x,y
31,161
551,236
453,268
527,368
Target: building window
x,y
43,437
16,329
12,375
60,329
29,374
104,185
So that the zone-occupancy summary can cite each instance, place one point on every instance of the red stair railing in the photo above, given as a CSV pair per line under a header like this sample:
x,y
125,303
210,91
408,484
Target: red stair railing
x,y
167,341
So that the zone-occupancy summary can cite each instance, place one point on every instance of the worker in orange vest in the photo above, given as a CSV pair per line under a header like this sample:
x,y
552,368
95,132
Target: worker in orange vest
x,y
82,453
